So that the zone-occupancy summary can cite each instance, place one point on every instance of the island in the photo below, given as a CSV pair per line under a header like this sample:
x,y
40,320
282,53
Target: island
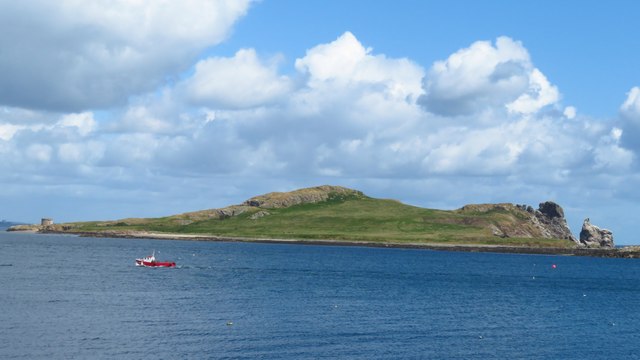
x,y
340,216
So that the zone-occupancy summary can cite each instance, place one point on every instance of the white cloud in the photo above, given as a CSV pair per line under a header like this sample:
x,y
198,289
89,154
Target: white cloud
x,y
83,122
610,156
539,94
8,130
74,55
142,119
336,60
346,61
569,112
88,153
616,134
484,76
239,82
630,109
355,115
630,116
351,118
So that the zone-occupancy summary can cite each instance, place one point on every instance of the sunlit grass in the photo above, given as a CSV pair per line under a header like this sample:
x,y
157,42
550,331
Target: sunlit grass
x,y
357,218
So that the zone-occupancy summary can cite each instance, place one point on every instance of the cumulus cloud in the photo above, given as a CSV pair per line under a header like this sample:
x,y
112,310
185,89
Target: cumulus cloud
x,y
83,122
539,94
570,112
346,61
345,115
352,113
8,130
352,91
242,81
610,156
630,109
484,76
74,55
630,115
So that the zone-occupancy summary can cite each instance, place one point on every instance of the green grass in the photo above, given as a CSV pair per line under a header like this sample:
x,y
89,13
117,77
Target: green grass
x,y
351,218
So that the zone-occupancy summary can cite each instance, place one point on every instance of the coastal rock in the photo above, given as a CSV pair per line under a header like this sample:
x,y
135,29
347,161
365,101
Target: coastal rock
x,y
217,214
496,231
24,227
522,221
40,228
551,210
550,219
230,211
592,236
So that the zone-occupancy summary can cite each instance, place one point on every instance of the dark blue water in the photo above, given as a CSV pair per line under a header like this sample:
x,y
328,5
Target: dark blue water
x,y
67,297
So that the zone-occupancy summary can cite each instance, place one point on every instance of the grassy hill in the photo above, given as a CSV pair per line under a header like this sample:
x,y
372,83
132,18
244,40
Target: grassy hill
x,y
337,213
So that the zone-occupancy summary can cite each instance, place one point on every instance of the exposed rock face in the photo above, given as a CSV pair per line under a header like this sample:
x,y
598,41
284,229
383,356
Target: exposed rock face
x,y
592,236
223,213
550,218
259,214
524,222
230,211
551,210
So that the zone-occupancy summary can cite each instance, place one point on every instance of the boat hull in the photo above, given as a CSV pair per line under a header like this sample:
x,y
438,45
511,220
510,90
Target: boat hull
x,y
140,262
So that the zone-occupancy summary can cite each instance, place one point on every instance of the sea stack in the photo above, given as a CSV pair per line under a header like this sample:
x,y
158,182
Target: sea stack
x,y
592,236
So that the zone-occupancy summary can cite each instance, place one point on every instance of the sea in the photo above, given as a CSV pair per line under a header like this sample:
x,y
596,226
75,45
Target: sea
x,y
67,297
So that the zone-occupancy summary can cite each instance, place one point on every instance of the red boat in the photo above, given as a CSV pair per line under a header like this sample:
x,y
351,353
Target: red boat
x,y
150,261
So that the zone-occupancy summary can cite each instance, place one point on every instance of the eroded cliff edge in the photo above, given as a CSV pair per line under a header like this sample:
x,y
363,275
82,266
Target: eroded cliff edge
x,y
522,221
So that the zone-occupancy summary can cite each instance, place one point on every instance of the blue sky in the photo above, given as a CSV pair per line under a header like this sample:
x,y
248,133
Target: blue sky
x,y
586,47
113,109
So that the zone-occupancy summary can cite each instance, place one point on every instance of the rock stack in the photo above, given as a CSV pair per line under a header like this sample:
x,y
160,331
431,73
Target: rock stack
x,y
592,236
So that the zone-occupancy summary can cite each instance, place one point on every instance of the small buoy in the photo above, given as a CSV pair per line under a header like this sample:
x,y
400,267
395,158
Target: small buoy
x,y
553,266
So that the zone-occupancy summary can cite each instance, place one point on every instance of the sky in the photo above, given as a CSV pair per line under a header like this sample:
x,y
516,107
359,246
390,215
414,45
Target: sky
x,y
115,109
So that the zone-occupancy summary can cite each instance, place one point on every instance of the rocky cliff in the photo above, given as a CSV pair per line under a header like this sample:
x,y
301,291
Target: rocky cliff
x,y
592,236
551,221
523,221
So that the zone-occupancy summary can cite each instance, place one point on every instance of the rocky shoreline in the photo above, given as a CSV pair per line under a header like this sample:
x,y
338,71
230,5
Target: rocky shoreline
x,y
496,224
629,252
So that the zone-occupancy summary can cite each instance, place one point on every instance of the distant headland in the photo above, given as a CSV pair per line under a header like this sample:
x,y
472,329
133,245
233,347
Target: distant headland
x,y
340,216
4,224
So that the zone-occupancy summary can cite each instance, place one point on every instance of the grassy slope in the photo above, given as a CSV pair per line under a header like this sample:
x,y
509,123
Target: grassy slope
x,y
357,218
